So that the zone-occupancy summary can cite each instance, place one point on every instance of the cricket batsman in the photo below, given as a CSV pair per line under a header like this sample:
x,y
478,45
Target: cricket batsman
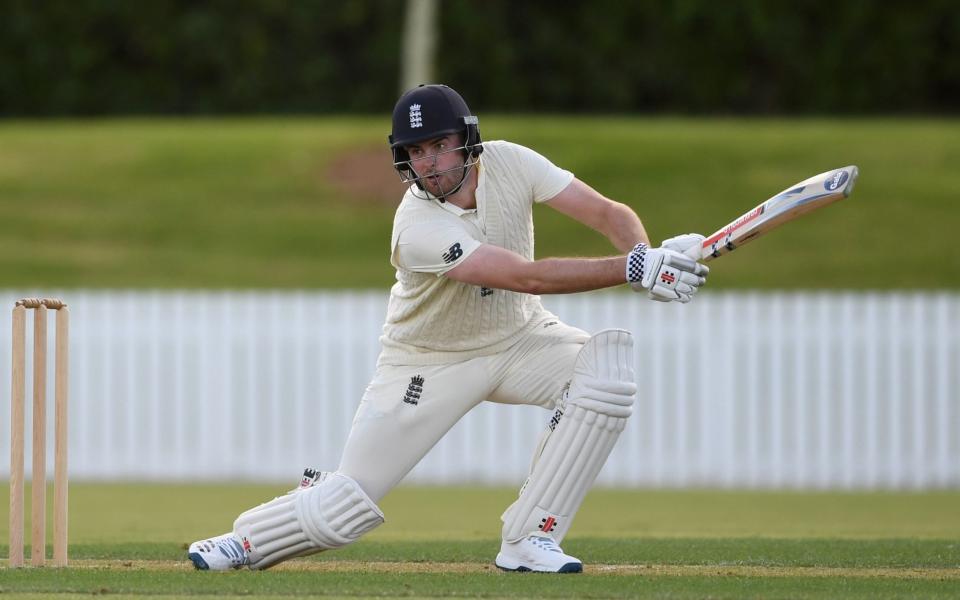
x,y
465,325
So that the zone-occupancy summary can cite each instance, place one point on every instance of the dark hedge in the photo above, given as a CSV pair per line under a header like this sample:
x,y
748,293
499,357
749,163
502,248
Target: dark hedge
x,y
99,57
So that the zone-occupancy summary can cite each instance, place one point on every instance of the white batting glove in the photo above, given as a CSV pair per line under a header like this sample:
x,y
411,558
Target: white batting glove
x,y
688,244
665,274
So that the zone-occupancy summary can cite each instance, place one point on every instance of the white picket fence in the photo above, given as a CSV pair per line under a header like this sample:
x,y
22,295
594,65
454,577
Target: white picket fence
x,y
772,390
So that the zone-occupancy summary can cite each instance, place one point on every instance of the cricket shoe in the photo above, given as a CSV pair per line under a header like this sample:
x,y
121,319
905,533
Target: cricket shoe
x,y
537,553
220,553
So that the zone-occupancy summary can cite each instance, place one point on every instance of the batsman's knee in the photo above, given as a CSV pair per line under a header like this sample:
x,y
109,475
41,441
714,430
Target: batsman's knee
x,y
603,378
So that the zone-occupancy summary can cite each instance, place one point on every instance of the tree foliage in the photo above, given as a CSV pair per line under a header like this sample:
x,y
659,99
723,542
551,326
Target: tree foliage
x,y
95,57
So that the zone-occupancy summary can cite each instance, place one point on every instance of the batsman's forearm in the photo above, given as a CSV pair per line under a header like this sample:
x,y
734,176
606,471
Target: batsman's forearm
x,y
567,275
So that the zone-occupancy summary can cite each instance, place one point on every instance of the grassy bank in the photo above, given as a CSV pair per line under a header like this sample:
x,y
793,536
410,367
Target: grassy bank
x,y
308,202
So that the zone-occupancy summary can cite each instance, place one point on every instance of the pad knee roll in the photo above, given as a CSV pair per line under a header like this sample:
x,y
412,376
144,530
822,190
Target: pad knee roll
x,y
603,380
595,411
331,514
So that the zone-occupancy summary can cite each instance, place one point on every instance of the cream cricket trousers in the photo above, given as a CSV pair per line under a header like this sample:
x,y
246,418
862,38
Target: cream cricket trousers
x,y
405,410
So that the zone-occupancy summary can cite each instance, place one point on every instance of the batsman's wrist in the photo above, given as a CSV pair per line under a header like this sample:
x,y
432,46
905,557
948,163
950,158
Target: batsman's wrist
x,y
636,263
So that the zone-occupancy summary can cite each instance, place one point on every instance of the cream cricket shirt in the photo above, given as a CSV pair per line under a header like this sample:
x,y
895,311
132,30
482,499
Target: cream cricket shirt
x,y
432,319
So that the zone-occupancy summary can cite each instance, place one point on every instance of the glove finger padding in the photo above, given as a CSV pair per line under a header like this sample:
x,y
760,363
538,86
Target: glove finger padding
x,y
687,264
682,293
686,291
688,244
661,294
691,279
675,259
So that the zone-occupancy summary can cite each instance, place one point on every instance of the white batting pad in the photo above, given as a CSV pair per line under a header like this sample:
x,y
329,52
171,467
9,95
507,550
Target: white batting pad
x,y
595,411
327,515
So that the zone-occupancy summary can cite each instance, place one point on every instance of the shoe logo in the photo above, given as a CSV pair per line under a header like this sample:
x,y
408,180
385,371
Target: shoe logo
x,y
547,524
308,477
414,390
549,324
312,477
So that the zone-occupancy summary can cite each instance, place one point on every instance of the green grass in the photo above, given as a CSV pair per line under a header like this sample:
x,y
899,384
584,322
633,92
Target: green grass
x,y
128,540
114,513
228,203
133,581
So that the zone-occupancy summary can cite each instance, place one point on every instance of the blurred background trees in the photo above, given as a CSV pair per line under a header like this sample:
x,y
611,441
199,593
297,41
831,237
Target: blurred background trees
x,y
93,57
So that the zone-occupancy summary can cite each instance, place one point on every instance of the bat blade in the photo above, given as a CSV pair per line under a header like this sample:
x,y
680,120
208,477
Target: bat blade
x,y
798,199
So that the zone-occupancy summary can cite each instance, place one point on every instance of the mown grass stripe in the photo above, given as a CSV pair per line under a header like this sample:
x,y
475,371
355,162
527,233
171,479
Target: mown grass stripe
x,y
593,570
757,552
490,584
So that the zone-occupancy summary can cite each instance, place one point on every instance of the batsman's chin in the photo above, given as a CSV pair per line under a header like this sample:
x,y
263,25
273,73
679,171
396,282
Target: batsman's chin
x,y
437,190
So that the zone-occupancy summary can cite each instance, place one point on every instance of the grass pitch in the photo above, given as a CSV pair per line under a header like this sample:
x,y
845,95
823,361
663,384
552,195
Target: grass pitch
x,y
129,541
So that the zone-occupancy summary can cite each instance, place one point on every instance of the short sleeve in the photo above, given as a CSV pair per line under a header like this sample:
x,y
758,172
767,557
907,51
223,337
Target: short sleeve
x,y
433,248
546,179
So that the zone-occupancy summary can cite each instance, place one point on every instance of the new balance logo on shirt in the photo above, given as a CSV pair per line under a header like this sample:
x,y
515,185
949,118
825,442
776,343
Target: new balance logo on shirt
x,y
453,253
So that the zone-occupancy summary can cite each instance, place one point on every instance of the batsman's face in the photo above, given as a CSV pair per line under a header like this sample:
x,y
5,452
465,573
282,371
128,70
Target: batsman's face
x,y
439,162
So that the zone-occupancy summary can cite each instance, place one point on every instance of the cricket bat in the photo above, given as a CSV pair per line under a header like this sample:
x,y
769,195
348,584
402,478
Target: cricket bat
x,y
798,199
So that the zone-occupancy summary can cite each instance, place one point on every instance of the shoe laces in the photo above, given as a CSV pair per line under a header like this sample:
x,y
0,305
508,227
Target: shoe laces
x,y
545,543
229,547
